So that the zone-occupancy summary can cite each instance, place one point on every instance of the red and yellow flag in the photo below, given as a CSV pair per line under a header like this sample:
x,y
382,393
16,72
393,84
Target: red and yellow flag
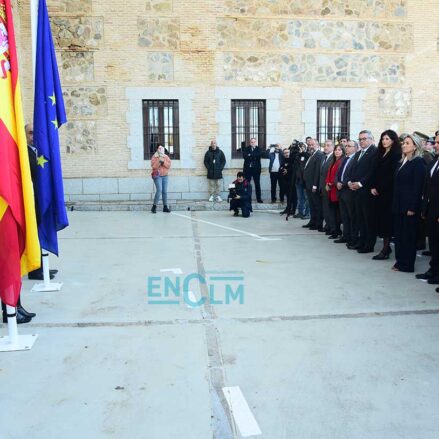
x,y
19,246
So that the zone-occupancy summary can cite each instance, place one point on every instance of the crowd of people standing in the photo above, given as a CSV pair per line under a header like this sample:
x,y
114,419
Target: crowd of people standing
x,y
356,191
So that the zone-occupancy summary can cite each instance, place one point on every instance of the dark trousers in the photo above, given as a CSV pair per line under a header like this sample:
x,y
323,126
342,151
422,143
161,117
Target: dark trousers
x,y
240,204
346,201
328,213
363,219
335,215
315,208
291,198
256,175
405,241
433,239
275,180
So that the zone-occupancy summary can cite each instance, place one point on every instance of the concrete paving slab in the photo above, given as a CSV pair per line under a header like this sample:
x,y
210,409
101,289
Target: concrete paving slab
x,y
344,378
118,382
327,344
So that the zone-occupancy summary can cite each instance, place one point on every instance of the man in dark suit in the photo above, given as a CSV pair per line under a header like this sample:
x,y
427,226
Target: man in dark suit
x,y
362,171
328,214
311,177
345,195
252,166
430,212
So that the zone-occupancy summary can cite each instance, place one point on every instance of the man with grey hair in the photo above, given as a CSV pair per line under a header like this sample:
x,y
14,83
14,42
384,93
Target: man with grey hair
x,y
364,236
345,195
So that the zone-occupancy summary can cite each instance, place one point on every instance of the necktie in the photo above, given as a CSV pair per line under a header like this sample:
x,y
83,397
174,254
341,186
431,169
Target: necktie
x,y
434,168
344,168
361,155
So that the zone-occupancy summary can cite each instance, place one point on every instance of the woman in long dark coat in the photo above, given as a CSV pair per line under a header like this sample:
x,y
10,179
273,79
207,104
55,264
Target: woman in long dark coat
x,y
388,158
407,196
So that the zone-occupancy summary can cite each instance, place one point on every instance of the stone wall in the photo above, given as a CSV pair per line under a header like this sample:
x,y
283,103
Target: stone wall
x,y
385,50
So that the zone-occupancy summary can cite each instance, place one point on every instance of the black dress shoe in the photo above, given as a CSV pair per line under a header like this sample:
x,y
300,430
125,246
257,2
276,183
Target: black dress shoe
x,y
433,280
54,271
260,201
321,229
341,241
333,236
236,213
365,250
25,313
424,276
305,226
328,233
38,276
380,257
353,246
313,228
21,318
437,290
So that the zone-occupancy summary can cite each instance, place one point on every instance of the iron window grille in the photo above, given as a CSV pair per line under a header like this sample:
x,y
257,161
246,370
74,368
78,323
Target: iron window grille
x,y
161,125
333,120
248,120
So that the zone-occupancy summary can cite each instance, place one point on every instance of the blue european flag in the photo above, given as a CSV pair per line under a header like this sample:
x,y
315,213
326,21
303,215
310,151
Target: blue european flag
x,y
49,115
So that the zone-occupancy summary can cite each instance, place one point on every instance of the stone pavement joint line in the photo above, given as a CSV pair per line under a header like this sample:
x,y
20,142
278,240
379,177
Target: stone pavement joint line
x,y
206,321
222,420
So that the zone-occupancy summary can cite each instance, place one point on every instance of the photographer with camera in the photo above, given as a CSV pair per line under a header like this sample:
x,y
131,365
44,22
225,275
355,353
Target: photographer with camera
x,y
276,160
287,174
302,199
240,196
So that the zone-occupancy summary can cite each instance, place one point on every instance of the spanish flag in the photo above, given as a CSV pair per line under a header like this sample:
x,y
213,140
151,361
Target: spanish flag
x,y
19,245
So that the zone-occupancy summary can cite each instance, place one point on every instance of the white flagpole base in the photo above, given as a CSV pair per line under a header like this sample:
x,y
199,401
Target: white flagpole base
x,y
45,288
22,343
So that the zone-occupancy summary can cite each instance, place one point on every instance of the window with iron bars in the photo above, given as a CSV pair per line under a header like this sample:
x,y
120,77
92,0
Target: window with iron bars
x,y
333,120
248,121
161,125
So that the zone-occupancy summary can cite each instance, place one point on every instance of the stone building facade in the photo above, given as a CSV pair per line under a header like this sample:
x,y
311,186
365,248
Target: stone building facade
x,y
381,56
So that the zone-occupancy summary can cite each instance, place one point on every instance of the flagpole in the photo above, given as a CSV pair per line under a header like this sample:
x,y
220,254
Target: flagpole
x,y
34,28
47,285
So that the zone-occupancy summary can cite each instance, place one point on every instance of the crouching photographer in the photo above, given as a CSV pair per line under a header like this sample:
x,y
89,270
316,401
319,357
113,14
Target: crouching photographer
x,y
240,196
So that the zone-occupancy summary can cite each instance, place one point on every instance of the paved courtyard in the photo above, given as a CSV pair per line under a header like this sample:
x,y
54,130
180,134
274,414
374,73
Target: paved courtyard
x,y
319,341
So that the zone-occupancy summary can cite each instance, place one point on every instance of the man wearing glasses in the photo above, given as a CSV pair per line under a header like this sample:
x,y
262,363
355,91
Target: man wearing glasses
x,y
364,237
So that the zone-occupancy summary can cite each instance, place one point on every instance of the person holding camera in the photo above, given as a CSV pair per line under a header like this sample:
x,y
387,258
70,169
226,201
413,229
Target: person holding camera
x,y
160,165
240,196
287,174
252,165
276,160
302,199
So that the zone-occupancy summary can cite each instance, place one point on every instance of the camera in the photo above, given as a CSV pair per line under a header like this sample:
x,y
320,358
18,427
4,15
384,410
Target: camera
x,y
232,191
297,147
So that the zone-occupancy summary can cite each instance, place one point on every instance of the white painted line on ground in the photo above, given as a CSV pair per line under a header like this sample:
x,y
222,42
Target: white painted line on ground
x,y
253,235
241,412
172,270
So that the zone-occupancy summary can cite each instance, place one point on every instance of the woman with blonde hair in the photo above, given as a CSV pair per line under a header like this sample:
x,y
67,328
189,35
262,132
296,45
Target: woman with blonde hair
x,y
406,206
160,165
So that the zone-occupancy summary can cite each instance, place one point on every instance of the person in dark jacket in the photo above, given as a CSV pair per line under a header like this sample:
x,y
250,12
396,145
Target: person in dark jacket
x,y
407,195
311,177
302,199
287,177
430,211
252,166
242,198
388,160
363,234
276,160
214,161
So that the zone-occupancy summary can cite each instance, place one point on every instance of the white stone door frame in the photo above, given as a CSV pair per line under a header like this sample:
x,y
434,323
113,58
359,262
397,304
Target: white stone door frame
x,y
134,117
356,96
224,95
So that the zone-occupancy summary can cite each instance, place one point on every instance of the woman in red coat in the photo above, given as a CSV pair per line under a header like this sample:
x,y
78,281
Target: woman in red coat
x,y
331,188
